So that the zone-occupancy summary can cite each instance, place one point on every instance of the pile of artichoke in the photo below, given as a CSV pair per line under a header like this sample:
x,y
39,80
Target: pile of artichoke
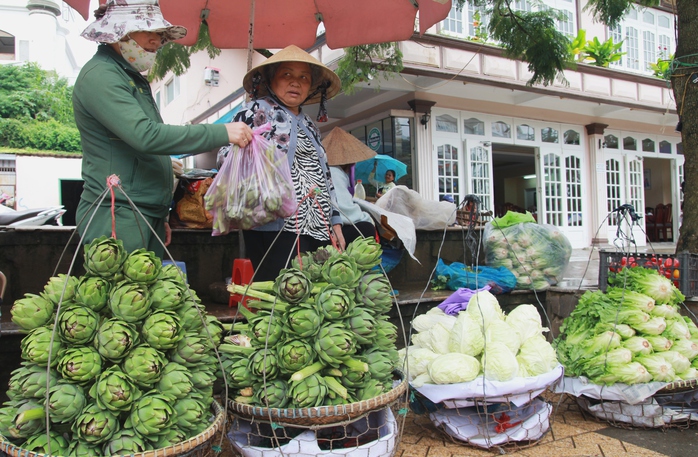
x,y
127,364
320,334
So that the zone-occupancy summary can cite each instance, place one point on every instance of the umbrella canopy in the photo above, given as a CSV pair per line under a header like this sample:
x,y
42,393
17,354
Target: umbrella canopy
x,y
385,163
278,23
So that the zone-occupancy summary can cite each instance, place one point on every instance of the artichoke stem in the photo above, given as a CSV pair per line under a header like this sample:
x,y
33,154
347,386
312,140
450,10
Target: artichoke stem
x,y
246,313
307,371
229,348
279,306
249,292
336,386
355,365
262,286
29,415
332,371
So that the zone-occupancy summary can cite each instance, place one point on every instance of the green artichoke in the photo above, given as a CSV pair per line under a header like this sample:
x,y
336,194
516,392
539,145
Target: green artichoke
x,y
341,270
104,257
129,301
152,415
379,364
170,437
77,324
334,344
142,266
80,364
7,421
93,292
60,288
115,338
28,420
171,272
265,329
65,402
95,425
32,311
167,295
144,365
215,329
334,303
37,346
264,365
190,412
371,389
292,285
363,324
202,378
30,380
175,381
366,252
353,378
238,375
293,355
271,394
307,265
114,390
375,292
192,350
80,448
190,315
386,334
161,330
310,392
303,321
39,443
124,442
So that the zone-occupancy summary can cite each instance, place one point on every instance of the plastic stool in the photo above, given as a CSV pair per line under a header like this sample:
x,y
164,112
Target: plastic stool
x,y
242,274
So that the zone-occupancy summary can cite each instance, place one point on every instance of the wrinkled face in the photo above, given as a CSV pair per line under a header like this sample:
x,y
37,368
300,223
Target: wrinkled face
x,y
291,84
150,41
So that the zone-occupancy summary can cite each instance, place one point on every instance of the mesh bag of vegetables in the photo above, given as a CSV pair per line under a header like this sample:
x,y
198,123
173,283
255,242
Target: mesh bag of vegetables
x,y
253,186
537,254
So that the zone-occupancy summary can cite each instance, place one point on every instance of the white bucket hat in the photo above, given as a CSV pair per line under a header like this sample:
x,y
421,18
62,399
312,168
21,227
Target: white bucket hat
x,y
125,16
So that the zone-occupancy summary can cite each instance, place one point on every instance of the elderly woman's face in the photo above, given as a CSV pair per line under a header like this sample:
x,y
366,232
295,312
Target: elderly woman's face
x,y
150,41
291,84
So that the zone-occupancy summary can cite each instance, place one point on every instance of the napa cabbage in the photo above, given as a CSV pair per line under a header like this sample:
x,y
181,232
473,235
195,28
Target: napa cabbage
x,y
638,345
658,367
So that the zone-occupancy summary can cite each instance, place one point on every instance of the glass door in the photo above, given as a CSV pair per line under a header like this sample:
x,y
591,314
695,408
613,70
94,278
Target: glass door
x,y
478,165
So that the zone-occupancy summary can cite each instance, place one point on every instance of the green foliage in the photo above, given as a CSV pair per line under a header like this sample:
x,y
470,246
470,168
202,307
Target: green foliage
x,y
662,69
577,46
610,12
364,63
602,54
481,33
176,58
48,135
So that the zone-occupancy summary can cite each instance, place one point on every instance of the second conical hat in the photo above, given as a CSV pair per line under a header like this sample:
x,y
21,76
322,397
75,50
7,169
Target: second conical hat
x,y
344,148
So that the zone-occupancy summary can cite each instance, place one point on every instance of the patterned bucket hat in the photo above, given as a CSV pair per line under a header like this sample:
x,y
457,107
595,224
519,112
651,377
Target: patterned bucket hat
x,y
125,16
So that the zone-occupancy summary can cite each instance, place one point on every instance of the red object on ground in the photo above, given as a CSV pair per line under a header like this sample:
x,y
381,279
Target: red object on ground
x,y
242,274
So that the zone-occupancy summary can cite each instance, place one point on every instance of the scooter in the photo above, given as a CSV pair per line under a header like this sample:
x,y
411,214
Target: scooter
x,y
30,217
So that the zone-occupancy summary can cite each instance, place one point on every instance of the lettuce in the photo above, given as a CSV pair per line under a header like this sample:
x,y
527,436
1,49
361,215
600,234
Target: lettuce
x,y
638,345
499,363
677,329
649,282
686,347
678,361
630,299
665,311
659,343
631,373
654,326
536,356
624,330
466,336
453,368
691,373
658,367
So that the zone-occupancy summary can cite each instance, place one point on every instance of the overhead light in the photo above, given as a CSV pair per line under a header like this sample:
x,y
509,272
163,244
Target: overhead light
x,y
529,176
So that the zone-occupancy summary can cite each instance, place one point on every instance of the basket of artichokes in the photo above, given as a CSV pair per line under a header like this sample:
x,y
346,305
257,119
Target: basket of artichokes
x,y
318,347
120,361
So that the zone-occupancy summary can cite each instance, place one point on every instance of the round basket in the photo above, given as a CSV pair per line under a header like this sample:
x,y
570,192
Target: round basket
x,y
178,449
321,415
678,386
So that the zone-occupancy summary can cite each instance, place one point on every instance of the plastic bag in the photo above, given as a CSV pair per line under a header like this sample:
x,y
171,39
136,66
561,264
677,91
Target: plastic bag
x,y
457,275
536,254
426,214
253,186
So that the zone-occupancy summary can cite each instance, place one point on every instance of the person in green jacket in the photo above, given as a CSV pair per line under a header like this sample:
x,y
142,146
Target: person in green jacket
x,y
122,132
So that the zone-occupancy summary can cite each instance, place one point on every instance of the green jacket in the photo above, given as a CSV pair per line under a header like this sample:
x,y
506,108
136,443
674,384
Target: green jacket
x,y
122,133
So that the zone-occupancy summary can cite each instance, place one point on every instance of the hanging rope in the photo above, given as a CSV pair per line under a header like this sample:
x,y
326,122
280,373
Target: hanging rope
x,y
113,181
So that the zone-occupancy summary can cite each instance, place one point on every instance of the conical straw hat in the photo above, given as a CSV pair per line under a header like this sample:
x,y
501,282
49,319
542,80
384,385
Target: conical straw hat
x,y
343,148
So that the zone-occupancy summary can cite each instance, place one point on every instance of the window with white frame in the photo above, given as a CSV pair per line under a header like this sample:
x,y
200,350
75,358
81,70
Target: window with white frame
x,y
171,90
453,24
157,100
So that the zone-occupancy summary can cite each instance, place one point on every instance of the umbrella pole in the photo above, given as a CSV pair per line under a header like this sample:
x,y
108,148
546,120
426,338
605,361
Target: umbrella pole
x,y
250,37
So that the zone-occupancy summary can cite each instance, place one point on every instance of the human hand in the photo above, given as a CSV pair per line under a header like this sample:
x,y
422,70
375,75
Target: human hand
x,y
168,234
339,237
177,167
239,133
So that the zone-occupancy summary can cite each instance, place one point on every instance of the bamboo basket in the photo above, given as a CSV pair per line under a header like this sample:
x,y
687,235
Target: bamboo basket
x,y
187,447
321,415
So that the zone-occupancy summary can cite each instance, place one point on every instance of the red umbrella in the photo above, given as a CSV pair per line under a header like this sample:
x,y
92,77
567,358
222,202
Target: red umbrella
x,y
278,23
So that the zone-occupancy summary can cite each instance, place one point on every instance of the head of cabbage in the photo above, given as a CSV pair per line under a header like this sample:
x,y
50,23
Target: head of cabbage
x,y
484,308
453,368
498,362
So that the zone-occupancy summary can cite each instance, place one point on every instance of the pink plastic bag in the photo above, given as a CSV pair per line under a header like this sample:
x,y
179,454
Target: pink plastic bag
x,y
252,188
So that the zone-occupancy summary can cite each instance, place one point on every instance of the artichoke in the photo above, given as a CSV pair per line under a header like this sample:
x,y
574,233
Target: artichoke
x,y
214,329
309,392
202,378
334,344
334,303
366,252
144,365
7,421
152,415
167,295
238,375
264,365
293,355
363,324
192,350
142,266
39,443
375,292
29,419
171,272
190,316
32,311
104,256
80,364
292,285
79,448
307,265
114,390
124,442
386,334
115,338
37,346
93,292
161,330
77,324
129,301
65,402
190,412
95,425
341,270
303,321
175,381
353,378
371,389
265,329
30,380
271,394
60,288
379,364
170,437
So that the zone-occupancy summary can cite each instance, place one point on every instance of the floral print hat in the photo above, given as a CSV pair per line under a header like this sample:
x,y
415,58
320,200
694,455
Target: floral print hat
x,y
125,16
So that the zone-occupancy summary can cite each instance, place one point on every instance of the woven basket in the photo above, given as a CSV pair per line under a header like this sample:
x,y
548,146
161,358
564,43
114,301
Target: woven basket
x,y
679,386
178,449
321,415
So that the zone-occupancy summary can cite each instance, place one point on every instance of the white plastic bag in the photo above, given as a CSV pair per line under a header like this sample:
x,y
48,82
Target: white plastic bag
x,y
426,214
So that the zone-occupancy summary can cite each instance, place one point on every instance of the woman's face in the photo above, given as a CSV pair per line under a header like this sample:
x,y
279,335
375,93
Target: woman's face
x,y
150,41
389,176
291,84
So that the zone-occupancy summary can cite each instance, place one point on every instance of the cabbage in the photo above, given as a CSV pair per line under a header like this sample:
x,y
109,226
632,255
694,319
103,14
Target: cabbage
x,y
678,361
502,332
435,315
525,320
453,368
686,347
499,363
484,308
436,339
417,360
466,336
536,356
654,326
658,367
677,329
665,311
631,373
659,343
638,345
624,330
630,299
691,373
